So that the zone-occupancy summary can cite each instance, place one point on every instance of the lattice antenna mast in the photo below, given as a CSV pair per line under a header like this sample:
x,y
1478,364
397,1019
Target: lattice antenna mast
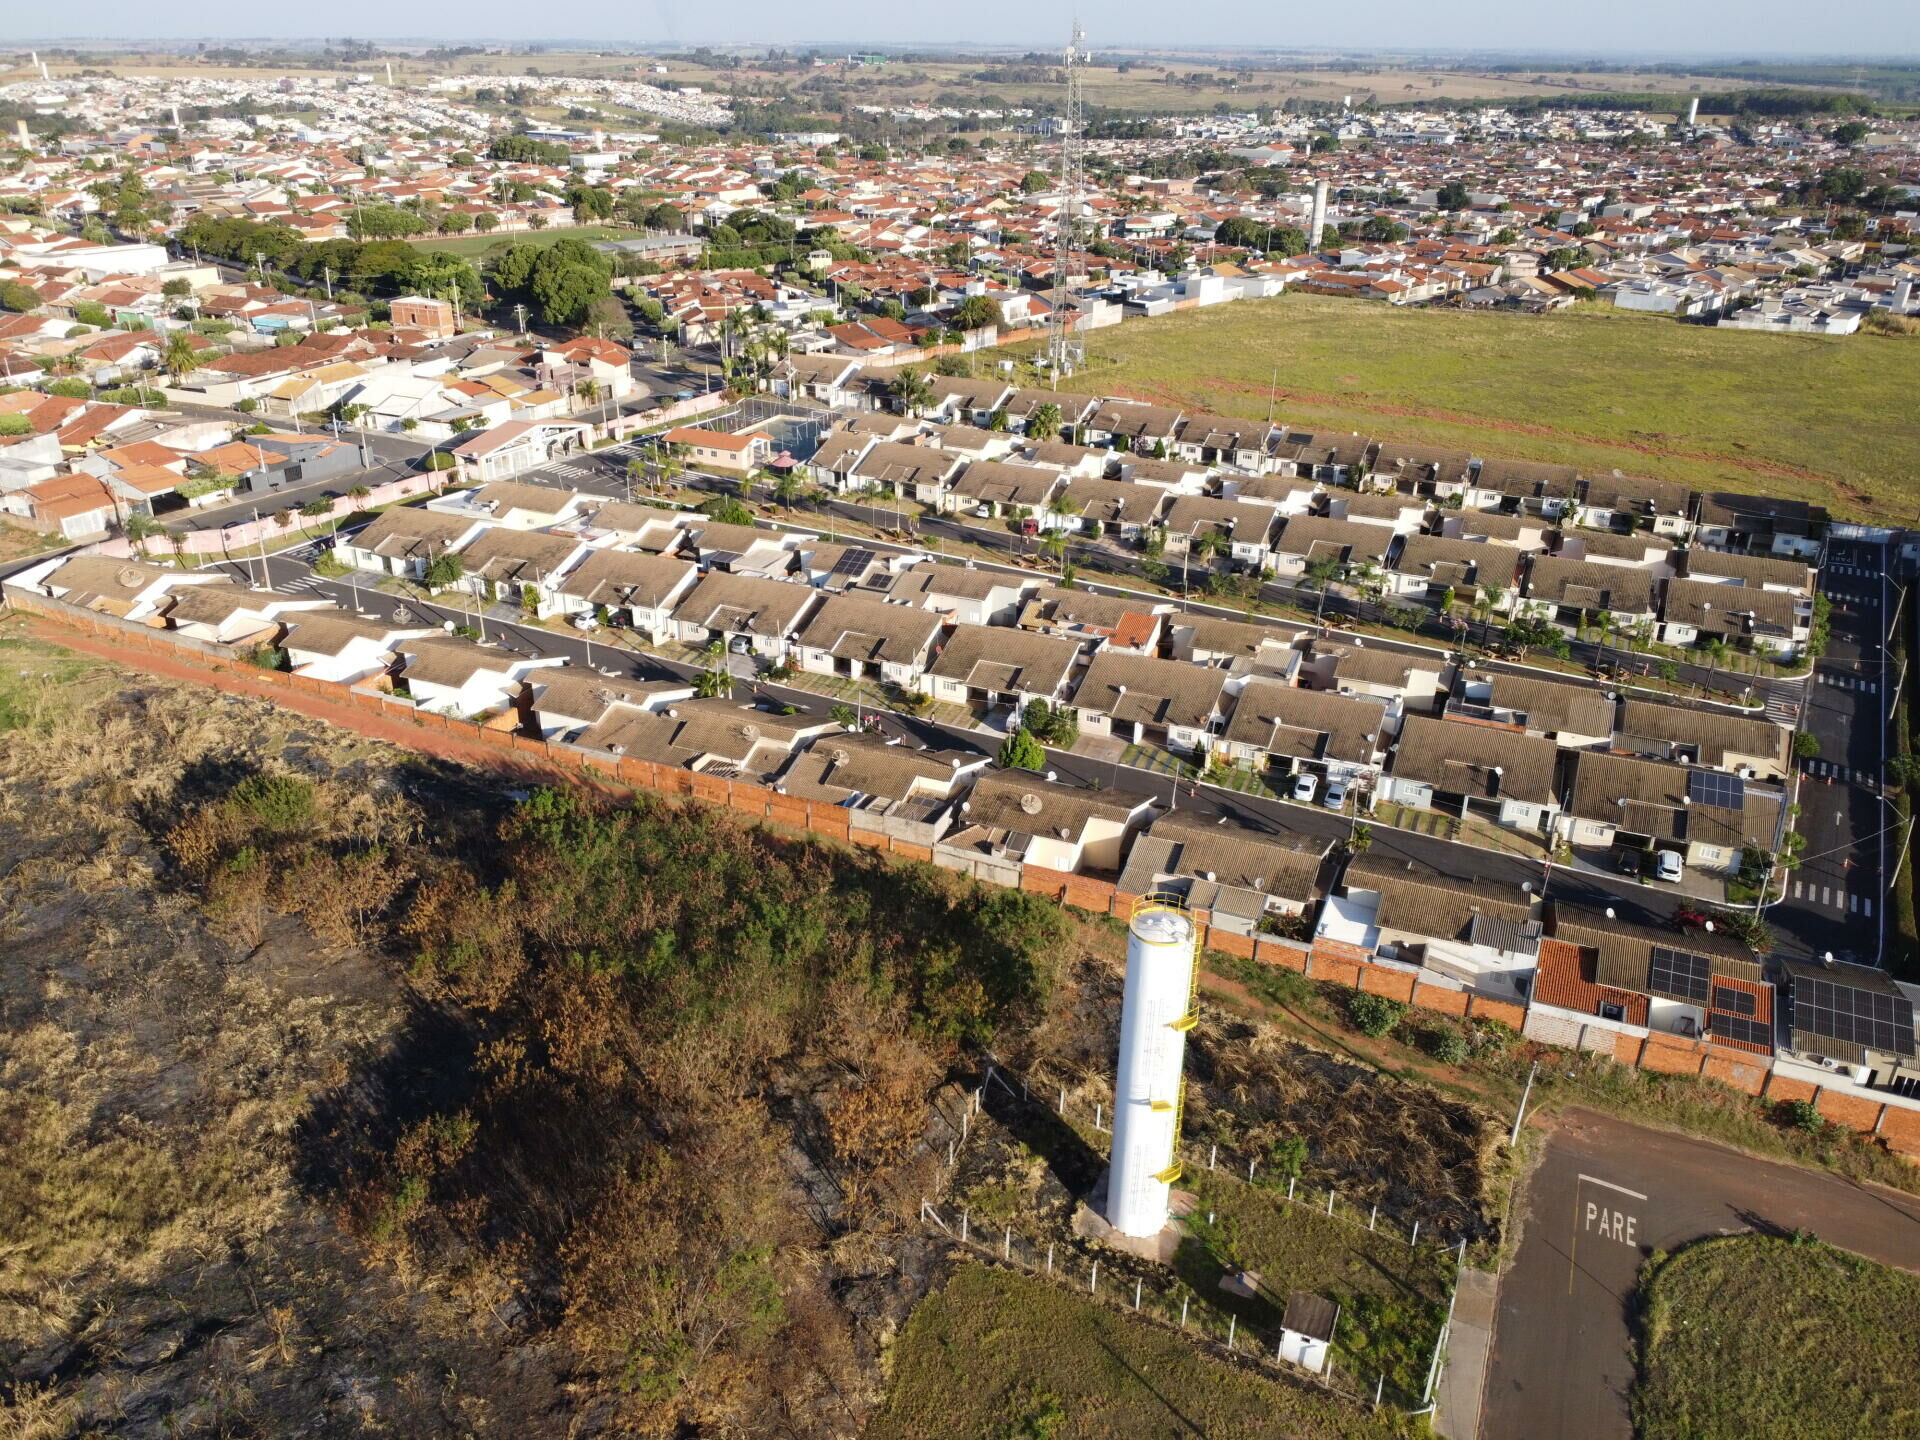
x,y
1065,348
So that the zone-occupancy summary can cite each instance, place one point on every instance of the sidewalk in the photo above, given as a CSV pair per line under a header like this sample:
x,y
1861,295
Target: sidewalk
x,y
1469,1347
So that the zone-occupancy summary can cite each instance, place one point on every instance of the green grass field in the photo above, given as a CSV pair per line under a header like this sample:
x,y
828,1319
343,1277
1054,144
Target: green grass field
x,y
472,247
1754,1338
1000,1356
1804,417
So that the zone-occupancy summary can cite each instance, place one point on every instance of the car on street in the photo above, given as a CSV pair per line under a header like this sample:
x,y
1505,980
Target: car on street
x,y
1667,866
983,512
1303,788
1335,797
1629,861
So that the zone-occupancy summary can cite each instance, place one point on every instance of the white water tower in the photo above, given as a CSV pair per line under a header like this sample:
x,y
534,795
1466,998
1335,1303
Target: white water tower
x,y
1162,976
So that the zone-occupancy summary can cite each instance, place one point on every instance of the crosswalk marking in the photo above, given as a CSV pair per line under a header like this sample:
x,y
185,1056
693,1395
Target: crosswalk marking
x,y
1826,895
1866,906
1853,904
1797,889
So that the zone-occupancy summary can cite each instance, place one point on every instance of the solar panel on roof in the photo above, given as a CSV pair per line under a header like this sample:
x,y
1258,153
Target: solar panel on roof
x,y
853,562
1678,972
1868,1018
1738,1027
1710,787
1740,1002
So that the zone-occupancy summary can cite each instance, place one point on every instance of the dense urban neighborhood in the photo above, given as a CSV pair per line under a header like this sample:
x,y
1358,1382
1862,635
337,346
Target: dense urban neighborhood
x,y
697,751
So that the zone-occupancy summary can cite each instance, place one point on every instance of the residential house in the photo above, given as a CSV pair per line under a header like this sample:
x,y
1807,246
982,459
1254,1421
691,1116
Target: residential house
x,y
1110,507
993,668
899,789
1759,525
517,447
1306,539
1115,622
1572,593
516,506
1235,645
1574,717
1419,470
1470,770
1476,575
916,471
964,400
962,593
464,680
1749,746
1131,425
861,638
1754,572
1692,982
525,568
1240,531
747,614
1072,409
1852,1019
1408,682
1527,533
1239,878
1148,701
1019,818
1222,440
741,549
998,488
1525,487
1475,935
1629,502
715,736
1283,730
1706,817
1772,622
404,540
228,614
736,452
1402,514
1325,456
832,464
634,588
346,649
567,701
129,589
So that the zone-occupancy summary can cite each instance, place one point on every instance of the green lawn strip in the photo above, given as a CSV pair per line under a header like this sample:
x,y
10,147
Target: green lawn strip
x,y
997,1354
471,247
1753,1337
1806,417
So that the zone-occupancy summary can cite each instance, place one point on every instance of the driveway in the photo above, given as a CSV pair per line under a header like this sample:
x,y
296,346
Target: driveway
x,y
1605,1196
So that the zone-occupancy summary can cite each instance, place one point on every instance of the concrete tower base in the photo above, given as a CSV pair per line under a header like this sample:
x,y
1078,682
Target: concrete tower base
x,y
1090,1223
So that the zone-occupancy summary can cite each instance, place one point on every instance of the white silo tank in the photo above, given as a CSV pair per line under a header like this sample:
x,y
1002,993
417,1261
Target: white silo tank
x,y
1154,1019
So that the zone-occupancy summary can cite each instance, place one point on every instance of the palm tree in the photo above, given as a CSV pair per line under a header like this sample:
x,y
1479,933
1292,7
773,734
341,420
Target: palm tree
x,y
179,358
139,528
912,390
1716,652
787,487
1321,572
716,678
640,470
1483,612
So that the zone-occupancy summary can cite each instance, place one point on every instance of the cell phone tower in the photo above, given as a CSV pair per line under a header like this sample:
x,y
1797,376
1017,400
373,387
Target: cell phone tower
x,y
1163,977
1065,349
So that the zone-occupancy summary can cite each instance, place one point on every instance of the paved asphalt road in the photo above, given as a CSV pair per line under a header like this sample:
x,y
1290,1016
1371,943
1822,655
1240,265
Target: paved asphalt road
x,y
1836,899
1605,1196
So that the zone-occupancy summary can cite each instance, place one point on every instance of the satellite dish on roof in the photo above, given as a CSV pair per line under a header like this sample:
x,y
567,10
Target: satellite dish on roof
x,y
129,577
1030,804
1610,914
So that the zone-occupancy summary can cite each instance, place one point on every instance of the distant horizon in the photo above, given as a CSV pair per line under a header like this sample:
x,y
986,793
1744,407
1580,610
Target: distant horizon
x,y
1887,34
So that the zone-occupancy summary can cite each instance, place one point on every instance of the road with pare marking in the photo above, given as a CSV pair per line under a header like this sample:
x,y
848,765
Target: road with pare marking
x,y
1605,1196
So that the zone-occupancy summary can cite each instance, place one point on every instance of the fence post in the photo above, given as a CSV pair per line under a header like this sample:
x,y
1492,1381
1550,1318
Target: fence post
x,y
1049,1257
1374,1216
963,1224
949,1154
1093,1281
963,1124
1233,1322
1329,1200
1136,1292
1063,1099
1378,1386
1290,1180
1096,1115
1250,1165
1006,1245
1185,1300
1416,1235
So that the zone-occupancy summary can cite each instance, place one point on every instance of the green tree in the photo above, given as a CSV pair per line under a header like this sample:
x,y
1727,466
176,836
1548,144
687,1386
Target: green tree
x,y
976,312
444,570
725,510
1453,196
1034,181
1020,751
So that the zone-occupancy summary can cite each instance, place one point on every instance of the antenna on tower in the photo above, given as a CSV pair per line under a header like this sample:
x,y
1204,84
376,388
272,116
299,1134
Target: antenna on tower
x,y
1065,349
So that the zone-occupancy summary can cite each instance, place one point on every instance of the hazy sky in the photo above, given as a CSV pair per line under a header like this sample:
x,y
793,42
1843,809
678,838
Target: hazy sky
x,y
1726,29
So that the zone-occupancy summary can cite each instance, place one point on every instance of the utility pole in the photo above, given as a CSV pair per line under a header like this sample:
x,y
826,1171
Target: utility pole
x,y
260,262
520,320
1065,348
327,273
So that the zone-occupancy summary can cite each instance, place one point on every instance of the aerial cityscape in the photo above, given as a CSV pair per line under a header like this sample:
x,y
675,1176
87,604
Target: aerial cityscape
x,y
1025,738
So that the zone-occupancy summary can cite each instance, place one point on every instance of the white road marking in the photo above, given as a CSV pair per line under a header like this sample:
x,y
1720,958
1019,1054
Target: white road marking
x,y
1796,889
1826,895
1853,904
1866,906
1621,1189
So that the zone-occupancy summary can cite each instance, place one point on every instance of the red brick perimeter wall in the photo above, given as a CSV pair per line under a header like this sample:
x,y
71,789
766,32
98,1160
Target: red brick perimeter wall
x,y
375,715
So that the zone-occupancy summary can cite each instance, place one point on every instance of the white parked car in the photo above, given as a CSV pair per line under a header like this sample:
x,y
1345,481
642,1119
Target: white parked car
x,y
1667,866
1303,788
1336,796
983,512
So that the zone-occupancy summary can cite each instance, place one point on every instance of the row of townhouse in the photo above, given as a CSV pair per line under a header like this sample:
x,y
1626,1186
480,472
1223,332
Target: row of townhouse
x,y
1232,448
1548,759
1491,739
1638,581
